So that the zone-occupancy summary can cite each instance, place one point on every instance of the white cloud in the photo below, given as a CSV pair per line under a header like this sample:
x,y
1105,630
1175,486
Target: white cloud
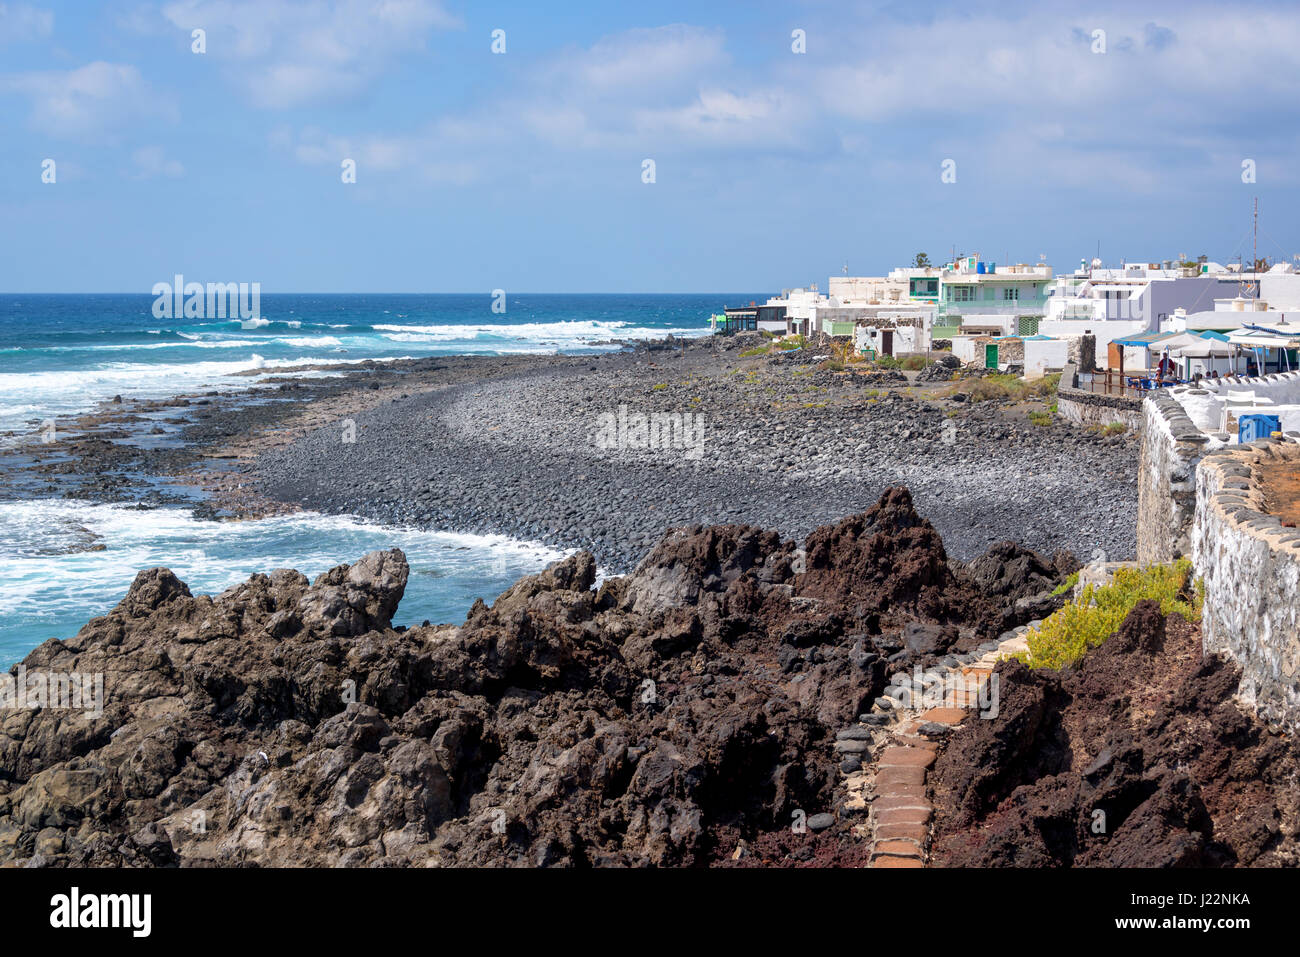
x,y
22,23
1015,97
294,52
93,101
151,161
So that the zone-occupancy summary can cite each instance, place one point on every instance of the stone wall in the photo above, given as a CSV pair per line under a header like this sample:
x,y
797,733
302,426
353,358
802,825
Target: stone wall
x,y
1090,408
1169,451
1249,566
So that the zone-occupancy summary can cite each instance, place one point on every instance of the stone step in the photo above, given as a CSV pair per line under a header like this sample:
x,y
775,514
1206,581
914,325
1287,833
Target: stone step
x,y
895,862
903,815
896,849
900,757
918,833
948,716
887,778
900,802
1015,646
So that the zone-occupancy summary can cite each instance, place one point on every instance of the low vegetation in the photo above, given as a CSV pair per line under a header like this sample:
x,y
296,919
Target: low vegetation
x,y
1003,387
1084,623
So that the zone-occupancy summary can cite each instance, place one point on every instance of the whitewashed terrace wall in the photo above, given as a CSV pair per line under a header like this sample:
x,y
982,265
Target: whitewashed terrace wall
x,y
1170,449
1249,566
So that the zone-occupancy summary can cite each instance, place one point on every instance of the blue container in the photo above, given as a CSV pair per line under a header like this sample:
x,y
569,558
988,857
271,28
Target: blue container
x,y
1253,427
979,269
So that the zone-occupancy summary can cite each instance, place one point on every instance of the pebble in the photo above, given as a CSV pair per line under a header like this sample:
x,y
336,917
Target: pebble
x,y
506,447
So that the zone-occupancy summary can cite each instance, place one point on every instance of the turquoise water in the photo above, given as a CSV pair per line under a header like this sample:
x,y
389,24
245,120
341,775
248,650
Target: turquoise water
x,y
63,562
62,354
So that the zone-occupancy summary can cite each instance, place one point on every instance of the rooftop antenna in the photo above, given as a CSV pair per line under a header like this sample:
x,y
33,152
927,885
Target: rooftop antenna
x,y
846,269
1254,254
1250,287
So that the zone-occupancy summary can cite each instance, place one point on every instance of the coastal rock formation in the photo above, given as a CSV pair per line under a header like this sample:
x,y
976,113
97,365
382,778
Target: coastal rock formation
x,y
1140,757
666,718
686,714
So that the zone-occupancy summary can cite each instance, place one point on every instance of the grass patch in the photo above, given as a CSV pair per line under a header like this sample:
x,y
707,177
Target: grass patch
x,y
1041,419
1114,428
659,388
913,363
1082,624
756,351
1006,387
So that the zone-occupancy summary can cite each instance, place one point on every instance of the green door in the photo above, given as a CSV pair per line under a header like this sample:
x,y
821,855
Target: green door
x,y
991,356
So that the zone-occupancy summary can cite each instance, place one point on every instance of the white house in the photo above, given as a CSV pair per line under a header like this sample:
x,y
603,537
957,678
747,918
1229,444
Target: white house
x,y
1009,299
1134,299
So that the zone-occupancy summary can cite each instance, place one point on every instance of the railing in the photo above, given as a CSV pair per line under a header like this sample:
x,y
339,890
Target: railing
x,y
995,307
1108,382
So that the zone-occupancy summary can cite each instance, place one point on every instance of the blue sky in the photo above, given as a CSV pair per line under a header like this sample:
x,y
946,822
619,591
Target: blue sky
x,y
523,170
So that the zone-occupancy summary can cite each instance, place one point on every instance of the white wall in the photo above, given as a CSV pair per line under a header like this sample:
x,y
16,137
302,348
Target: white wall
x,y
1104,331
1044,354
967,349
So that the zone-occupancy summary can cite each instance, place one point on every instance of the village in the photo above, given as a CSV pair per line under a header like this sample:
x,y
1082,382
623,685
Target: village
x,y
1120,331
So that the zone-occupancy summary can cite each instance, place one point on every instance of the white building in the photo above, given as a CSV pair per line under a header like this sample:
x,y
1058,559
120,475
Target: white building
x,y
980,296
1133,299
880,302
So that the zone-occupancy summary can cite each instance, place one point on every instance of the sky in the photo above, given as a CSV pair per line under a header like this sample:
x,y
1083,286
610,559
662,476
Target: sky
x,y
789,141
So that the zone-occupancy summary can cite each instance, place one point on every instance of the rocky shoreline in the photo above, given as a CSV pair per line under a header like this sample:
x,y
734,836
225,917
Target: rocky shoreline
x,y
719,706
513,445
682,715
782,443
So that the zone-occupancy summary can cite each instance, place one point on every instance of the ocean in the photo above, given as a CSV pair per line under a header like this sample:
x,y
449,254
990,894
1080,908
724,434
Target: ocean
x,y
64,561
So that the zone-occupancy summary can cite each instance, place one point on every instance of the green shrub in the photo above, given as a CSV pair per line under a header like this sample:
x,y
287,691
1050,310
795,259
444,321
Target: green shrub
x,y
756,351
1067,634
1040,418
1067,585
913,363
1000,385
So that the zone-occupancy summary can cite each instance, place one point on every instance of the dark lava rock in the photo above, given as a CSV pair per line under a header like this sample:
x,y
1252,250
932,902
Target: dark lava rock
x,y
652,721
1139,757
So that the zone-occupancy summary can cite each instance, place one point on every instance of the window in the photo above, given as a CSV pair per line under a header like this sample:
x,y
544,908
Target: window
x,y
962,293
1011,294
